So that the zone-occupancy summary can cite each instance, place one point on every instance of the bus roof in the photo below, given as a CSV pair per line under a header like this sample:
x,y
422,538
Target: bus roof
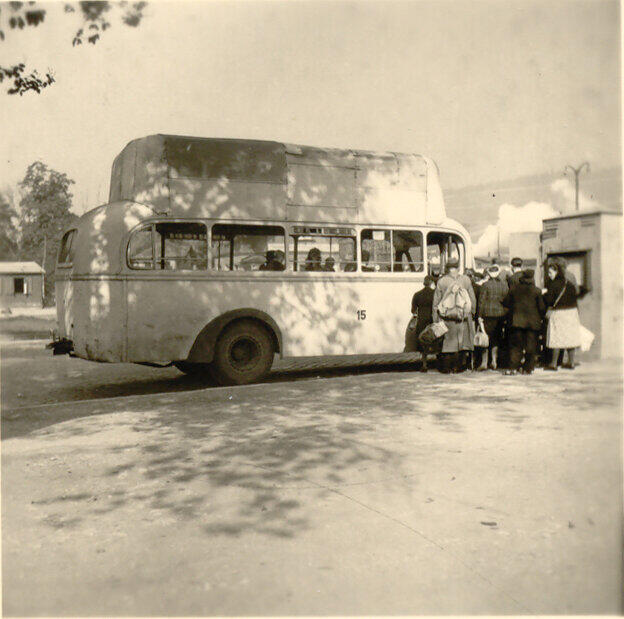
x,y
218,178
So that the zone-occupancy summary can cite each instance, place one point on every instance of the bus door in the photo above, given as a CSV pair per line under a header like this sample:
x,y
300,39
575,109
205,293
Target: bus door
x,y
443,247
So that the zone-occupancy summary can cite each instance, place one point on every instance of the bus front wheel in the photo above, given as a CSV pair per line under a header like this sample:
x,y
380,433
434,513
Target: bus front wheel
x,y
243,354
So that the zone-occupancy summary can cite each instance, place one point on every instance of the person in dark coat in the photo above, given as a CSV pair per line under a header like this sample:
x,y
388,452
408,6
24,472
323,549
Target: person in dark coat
x,y
526,312
516,272
422,304
493,312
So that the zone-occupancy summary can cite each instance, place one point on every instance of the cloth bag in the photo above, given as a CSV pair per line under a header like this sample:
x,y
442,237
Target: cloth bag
x,y
587,337
433,332
481,338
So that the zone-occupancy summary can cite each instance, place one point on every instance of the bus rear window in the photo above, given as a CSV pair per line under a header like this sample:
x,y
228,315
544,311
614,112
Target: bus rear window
x,y
66,253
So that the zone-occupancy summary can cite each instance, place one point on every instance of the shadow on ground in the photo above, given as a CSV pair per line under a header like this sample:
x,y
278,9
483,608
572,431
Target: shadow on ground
x,y
233,464
138,381
262,458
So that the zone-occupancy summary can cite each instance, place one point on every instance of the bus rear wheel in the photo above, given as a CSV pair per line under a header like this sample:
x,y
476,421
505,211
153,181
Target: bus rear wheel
x,y
243,354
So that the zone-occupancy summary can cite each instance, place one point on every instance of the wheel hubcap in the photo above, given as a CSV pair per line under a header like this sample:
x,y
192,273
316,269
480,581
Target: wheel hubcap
x,y
244,353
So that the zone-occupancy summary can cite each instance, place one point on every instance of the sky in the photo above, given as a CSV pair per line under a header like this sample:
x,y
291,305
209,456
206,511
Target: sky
x,y
491,90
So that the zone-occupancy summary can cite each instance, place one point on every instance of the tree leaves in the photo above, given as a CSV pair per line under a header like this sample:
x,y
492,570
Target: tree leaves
x,y
8,231
34,18
93,13
25,82
134,13
45,214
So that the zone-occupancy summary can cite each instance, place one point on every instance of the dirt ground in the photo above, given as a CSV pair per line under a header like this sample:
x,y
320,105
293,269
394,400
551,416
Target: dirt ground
x,y
375,491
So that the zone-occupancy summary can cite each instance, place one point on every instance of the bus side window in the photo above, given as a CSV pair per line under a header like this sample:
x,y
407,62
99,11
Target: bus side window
x,y
408,250
376,250
181,246
323,252
140,250
237,247
66,253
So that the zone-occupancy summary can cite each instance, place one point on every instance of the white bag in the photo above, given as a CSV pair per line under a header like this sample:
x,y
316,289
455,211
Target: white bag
x,y
587,337
481,339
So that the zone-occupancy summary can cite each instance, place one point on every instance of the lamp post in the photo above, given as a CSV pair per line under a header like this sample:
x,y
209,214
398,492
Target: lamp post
x,y
577,172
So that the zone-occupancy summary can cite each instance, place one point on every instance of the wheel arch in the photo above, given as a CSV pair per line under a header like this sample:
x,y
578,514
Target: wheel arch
x,y
202,350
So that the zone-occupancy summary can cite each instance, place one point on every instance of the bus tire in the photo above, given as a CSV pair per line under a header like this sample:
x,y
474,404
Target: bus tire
x,y
243,354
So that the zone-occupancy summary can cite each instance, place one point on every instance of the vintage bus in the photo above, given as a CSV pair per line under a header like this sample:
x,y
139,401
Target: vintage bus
x,y
217,254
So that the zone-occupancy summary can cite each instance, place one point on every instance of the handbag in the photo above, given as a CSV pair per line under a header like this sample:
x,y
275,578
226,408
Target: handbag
x,y
481,339
411,335
550,310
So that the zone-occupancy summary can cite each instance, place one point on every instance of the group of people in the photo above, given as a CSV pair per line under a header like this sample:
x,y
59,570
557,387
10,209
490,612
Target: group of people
x,y
314,261
523,323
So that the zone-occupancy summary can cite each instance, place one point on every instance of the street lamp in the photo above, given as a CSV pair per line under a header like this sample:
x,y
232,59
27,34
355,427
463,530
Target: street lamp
x,y
577,171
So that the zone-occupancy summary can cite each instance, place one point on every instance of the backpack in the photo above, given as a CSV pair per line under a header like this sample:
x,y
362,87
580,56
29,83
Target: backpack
x,y
455,304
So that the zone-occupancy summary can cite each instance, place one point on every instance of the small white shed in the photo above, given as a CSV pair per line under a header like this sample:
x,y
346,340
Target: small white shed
x,y
21,285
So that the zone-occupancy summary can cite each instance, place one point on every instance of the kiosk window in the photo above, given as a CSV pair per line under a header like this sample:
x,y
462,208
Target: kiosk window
x,y
578,265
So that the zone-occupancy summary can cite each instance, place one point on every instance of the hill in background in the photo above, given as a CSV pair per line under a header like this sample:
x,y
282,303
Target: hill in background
x,y
491,211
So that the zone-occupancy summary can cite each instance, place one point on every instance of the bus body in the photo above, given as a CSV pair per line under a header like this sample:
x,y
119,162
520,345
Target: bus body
x,y
213,252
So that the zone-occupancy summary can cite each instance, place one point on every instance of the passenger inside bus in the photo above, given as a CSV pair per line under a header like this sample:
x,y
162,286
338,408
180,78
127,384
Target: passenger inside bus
x,y
274,262
408,254
329,264
399,265
313,260
365,261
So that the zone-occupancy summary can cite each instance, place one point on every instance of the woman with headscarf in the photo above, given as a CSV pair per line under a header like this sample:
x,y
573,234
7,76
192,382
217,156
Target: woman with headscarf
x,y
564,326
459,339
